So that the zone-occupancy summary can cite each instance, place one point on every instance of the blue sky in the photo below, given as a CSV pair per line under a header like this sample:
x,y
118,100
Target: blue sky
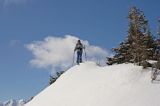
x,y
102,22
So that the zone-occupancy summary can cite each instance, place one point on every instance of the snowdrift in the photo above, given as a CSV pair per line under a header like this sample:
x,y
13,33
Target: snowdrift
x,y
91,85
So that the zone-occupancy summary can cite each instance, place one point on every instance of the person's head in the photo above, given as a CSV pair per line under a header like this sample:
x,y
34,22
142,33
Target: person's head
x,y
79,41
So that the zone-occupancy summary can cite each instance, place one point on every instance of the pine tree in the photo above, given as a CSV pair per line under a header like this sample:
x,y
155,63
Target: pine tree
x,y
54,78
139,45
157,51
122,54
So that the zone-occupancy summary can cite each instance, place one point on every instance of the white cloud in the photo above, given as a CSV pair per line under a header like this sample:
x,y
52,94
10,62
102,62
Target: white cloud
x,y
57,52
6,3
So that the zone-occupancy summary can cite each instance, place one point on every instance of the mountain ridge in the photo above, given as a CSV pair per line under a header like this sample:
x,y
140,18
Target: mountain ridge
x,y
13,102
88,84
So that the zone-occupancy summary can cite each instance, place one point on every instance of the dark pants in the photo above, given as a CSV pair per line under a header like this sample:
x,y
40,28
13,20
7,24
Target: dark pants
x,y
79,57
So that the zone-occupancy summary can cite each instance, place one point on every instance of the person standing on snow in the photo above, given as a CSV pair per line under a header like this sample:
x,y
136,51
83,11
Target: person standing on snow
x,y
79,48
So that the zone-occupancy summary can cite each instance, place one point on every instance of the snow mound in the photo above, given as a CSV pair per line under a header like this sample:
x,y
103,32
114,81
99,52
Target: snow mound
x,y
91,85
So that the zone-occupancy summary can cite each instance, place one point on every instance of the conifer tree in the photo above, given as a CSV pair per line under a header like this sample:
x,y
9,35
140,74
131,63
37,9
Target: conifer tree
x,y
157,51
142,43
139,45
54,78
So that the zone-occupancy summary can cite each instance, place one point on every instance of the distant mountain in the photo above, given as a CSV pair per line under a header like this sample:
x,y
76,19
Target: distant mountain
x,y
13,103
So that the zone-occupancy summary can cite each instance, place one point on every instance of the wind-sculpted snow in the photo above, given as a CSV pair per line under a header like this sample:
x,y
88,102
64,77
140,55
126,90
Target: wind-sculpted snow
x,y
91,85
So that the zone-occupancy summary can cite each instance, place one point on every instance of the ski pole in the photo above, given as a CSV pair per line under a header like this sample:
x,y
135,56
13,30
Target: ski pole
x,y
85,53
73,59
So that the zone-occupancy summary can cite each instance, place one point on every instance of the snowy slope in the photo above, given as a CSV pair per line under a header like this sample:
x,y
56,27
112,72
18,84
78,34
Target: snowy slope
x,y
13,103
91,85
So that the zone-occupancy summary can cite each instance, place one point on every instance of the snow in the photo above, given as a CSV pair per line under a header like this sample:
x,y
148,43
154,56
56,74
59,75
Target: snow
x,y
13,103
91,85
152,61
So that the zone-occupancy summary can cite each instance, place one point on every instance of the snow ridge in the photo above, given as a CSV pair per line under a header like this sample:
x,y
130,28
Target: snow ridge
x,y
88,84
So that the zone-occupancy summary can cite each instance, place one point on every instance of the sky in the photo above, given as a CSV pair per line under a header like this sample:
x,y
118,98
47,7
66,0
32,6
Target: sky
x,y
29,28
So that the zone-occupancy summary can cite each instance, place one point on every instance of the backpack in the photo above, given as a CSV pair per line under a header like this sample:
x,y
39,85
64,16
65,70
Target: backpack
x,y
79,46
